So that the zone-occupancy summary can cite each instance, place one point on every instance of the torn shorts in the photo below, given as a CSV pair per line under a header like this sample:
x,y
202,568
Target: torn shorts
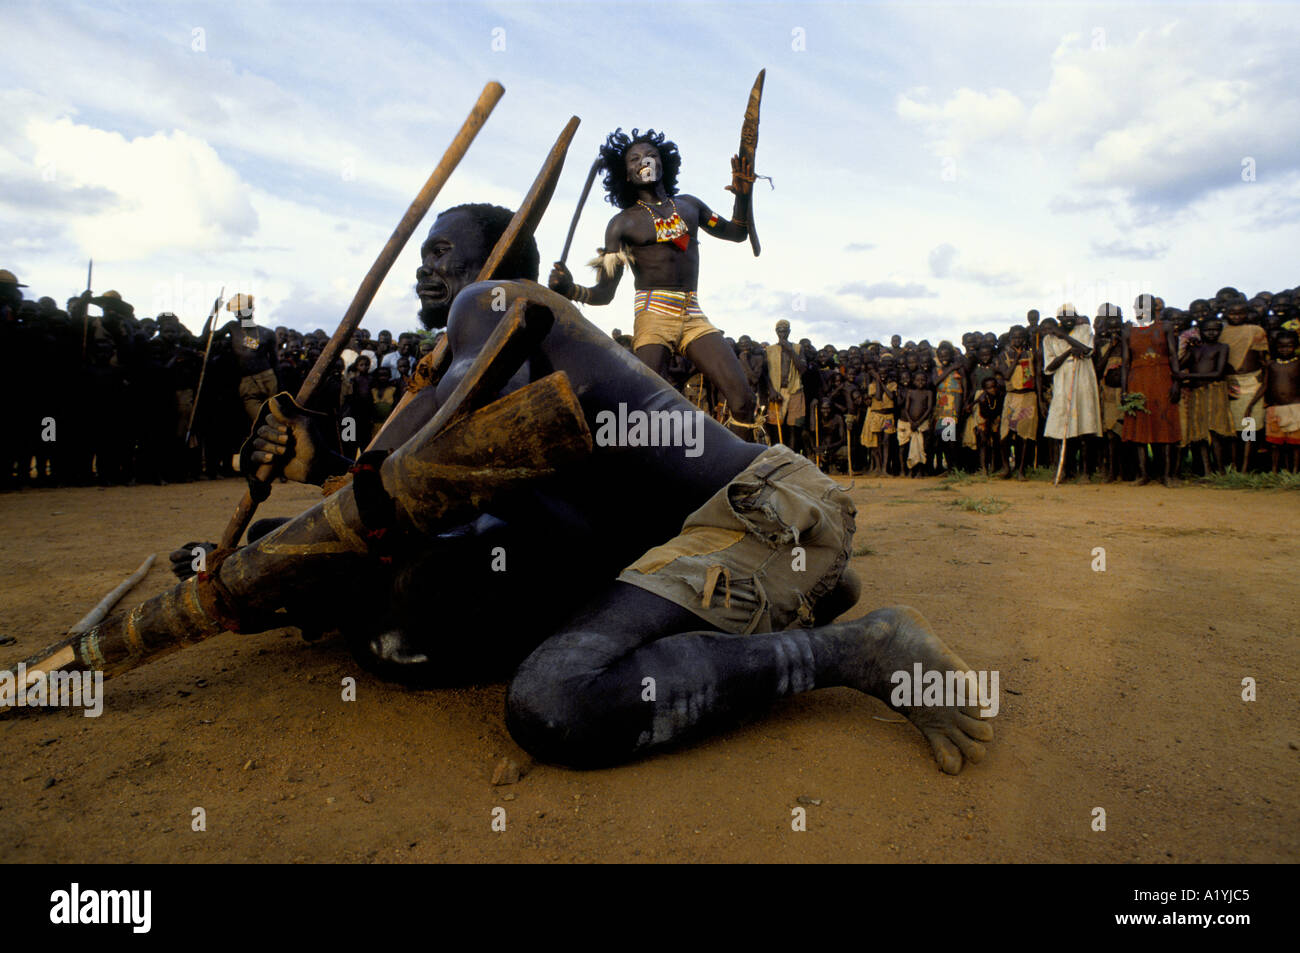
x,y
761,552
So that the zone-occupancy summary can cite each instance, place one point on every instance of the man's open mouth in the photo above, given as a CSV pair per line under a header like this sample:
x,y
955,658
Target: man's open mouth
x,y
434,291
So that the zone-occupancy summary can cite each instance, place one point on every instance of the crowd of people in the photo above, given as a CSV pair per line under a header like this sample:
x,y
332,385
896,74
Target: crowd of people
x,y
99,395
1170,393
112,398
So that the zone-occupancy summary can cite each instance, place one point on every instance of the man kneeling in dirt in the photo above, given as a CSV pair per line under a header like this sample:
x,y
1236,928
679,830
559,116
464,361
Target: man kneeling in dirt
x,y
659,593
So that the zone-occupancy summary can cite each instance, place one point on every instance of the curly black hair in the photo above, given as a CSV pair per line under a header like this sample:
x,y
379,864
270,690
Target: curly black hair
x,y
618,190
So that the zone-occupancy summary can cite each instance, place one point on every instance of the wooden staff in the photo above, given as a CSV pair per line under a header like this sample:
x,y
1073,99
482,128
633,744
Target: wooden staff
x,y
521,228
85,312
93,617
817,437
203,371
525,221
487,101
849,442
577,212
1069,407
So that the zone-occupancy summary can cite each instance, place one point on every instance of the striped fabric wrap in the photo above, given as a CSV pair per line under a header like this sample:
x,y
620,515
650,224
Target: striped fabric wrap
x,y
671,303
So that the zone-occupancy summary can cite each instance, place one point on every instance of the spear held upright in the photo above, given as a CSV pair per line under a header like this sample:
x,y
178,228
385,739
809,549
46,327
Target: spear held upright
x,y
85,312
207,350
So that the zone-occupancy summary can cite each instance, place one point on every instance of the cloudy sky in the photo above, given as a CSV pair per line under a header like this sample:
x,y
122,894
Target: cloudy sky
x,y
936,167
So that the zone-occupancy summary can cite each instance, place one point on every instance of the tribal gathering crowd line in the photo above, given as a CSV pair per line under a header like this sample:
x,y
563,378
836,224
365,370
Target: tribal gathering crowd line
x,y
1173,392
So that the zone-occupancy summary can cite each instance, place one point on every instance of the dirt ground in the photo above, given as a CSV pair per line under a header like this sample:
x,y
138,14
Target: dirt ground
x,y
1121,690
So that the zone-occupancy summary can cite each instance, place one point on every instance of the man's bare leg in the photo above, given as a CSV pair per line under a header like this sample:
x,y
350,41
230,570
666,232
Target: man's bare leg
x,y
655,357
711,354
635,673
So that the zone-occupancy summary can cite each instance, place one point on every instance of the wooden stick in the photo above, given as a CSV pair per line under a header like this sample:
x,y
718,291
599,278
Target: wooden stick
x,y
817,438
85,312
487,101
577,212
92,618
1069,408
522,226
850,457
203,371
530,213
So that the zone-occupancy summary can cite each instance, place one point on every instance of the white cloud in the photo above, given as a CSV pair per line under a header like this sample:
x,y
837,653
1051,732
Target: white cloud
x,y
966,118
171,190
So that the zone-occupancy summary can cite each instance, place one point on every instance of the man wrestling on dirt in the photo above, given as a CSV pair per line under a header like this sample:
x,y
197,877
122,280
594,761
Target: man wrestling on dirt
x,y
655,235
660,595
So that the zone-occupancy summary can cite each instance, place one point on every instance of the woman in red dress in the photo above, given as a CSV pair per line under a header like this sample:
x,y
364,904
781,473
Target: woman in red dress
x,y
1149,355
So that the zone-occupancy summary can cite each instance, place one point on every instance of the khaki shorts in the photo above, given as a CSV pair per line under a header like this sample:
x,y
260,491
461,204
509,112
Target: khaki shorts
x,y
670,318
761,553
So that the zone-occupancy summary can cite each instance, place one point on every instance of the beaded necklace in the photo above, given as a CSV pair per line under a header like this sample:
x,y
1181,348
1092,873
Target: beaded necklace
x,y
671,229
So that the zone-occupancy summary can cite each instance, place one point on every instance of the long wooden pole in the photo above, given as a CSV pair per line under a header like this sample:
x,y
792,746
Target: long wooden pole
x,y
522,226
487,101
849,441
529,216
577,212
817,437
85,311
95,615
1069,409
203,371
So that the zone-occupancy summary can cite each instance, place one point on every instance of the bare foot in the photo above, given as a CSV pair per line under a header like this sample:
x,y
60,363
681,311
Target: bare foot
x,y
893,640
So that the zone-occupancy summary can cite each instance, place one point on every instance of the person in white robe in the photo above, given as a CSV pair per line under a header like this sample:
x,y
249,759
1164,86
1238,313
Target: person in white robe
x,y
1076,403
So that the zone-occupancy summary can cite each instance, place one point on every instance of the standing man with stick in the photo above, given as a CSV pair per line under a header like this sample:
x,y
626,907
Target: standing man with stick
x,y
786,405
656,235
1076,405
255,348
